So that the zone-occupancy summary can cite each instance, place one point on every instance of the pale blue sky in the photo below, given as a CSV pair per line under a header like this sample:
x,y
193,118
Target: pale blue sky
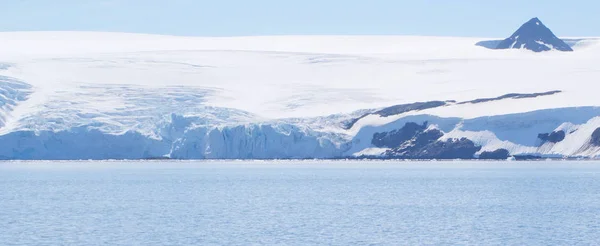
x,y
480,18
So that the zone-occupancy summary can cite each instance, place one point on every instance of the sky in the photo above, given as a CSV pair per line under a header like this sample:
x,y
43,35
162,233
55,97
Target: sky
x,y
469,18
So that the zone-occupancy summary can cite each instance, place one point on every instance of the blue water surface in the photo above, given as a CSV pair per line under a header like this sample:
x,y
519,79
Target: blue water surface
x,y
299,203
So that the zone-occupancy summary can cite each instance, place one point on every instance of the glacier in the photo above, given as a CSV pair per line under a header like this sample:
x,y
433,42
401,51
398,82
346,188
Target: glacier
x,y
91,95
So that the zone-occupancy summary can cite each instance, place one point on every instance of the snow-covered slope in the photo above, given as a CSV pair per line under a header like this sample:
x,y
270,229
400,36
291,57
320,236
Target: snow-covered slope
x,y
78,95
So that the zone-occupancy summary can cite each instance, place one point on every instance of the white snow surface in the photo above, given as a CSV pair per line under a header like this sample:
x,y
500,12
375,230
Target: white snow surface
x,y
118,82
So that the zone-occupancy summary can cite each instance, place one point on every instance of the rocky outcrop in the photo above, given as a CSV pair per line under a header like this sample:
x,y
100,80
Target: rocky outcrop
x,y
553,137
403,108
512,96
595,137
395,138
417,141
499,154
450,149
534,36
398,109
527,157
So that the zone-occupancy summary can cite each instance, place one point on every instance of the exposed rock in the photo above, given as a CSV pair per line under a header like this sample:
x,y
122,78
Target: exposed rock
x,y
596,137
398,109
493,44
534,36
450,149
414,141
403,108
512,96
426,138
553,137
526,157
499,154
395,138
424,147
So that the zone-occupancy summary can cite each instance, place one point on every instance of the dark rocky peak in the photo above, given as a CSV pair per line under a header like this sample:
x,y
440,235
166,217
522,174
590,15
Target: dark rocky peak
x,y
534,36
553,137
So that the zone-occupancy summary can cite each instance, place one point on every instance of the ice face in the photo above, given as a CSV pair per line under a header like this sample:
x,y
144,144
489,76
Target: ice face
x,y
102,95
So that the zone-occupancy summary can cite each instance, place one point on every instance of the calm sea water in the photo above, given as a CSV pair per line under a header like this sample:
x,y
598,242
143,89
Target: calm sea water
x,y
299,203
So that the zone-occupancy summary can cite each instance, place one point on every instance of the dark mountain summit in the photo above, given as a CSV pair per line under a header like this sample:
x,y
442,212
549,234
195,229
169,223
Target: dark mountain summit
x,y
535,36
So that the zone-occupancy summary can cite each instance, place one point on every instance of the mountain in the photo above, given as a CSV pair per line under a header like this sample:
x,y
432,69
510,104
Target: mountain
x,y
87,95
534,36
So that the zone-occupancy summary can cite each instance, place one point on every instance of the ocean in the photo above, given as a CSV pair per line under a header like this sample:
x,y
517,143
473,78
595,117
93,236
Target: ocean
x,y
299,203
